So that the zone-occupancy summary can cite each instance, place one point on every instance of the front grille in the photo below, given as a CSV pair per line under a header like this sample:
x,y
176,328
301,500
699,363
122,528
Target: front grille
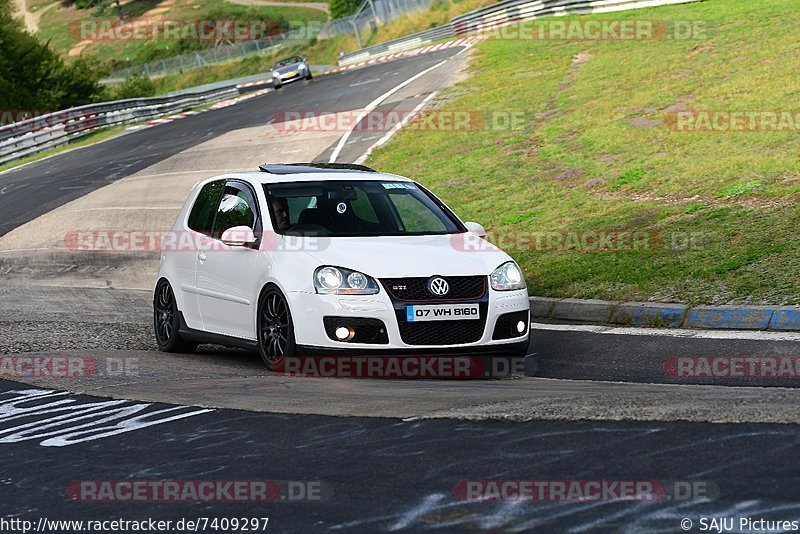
x,y
416,289
506,325
367,330
441,332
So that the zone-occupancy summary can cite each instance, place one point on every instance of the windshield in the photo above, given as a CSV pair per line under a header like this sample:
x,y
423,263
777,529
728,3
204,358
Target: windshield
x,y
357,208
287,61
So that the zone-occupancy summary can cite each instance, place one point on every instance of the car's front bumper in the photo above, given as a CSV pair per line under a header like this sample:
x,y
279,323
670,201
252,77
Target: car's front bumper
x,y
309,310
289,77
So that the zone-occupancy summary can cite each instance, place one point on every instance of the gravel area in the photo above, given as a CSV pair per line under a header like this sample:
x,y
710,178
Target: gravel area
x,y
40,336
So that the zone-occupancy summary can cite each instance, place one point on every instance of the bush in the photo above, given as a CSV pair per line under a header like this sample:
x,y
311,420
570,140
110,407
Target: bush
x,y
86,4
136,86
343,8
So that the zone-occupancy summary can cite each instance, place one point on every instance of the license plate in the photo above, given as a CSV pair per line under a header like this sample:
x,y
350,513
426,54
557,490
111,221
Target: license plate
x,y
291,75
442,312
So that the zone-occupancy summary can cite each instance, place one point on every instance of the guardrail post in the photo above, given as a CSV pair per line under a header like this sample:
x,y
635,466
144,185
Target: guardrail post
x,y
358,35
374,12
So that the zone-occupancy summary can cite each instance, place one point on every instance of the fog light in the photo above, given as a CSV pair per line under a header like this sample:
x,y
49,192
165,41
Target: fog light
x,y
521,327
343,333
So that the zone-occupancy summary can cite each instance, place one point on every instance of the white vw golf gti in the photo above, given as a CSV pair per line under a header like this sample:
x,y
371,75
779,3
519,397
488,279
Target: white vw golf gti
x,y
307,258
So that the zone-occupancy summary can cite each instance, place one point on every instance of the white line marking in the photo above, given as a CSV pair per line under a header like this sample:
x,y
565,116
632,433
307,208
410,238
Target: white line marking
x,y
374,104
365,82
213,171
137,208
32,249
383,140
756,335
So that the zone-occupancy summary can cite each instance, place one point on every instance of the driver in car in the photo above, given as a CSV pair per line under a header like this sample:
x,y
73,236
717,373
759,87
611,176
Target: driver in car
x,y
280,207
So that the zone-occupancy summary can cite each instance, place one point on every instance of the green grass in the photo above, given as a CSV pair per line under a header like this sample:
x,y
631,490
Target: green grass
x,y
591,154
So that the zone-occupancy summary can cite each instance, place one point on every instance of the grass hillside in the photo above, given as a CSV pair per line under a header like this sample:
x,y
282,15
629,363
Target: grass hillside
x,y
597,150
59,25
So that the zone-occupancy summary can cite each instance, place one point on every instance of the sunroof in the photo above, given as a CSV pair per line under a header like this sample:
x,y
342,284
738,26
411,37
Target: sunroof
x,y
295,168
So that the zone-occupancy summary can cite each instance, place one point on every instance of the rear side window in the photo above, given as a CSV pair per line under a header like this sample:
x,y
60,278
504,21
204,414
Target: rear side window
x,y
201,217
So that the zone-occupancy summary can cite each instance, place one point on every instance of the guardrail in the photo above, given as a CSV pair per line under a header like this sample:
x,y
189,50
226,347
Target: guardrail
x,y
497,15
399,45
33,135
218,54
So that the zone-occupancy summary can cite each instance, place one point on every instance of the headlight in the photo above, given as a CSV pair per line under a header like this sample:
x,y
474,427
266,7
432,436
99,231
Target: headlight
x,y
508,277
339,281
302,66
276,74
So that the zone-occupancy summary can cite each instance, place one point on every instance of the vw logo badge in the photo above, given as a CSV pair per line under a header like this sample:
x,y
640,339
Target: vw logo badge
x,y
438,286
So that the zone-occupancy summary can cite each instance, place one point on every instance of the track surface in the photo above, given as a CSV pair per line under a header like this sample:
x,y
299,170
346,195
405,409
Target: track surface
x,y
386,473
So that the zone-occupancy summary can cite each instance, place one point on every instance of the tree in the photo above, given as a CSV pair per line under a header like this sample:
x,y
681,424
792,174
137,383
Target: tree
x,y
33,77
343,8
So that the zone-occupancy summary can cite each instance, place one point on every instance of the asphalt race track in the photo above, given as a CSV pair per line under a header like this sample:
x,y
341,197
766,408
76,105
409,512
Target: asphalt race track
x,y
381,455
387,475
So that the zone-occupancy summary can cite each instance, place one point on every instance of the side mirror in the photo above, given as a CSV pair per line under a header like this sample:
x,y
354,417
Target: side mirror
x,y
476,228
239,236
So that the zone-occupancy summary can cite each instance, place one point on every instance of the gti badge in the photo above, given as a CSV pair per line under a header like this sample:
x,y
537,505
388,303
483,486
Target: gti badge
x,y
438,286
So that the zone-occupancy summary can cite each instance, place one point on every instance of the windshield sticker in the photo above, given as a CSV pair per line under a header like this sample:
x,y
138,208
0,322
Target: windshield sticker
x,y
397,185
341,207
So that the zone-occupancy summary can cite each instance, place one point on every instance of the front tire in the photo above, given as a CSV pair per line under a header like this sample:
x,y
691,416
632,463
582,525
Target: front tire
x,y
166,323
275,328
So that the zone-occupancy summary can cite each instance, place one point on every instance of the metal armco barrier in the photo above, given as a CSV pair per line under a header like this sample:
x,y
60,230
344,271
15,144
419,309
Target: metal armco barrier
x,y
33,135
500,14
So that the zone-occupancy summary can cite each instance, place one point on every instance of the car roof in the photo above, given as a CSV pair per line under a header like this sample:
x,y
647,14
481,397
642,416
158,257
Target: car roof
x,y
313,172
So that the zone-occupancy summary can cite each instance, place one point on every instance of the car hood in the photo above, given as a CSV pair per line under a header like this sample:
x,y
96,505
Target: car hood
x,y
390,257
288,68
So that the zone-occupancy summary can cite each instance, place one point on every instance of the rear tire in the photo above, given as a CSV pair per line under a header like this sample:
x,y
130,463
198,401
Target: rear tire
x,y
166,322
275,328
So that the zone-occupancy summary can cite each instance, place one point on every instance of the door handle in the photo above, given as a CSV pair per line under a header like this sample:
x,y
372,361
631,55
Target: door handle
x,y
202,257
